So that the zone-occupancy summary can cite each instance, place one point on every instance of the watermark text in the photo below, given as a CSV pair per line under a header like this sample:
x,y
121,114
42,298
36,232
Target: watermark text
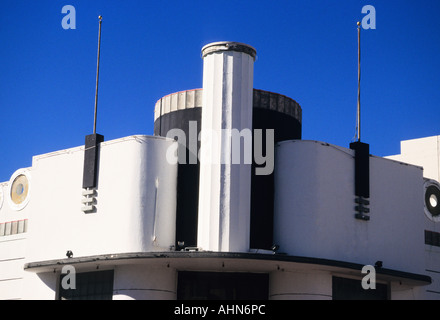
x,y
69,20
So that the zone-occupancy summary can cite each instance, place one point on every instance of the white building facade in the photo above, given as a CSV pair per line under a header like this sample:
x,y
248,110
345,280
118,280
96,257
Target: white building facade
x,y
132,235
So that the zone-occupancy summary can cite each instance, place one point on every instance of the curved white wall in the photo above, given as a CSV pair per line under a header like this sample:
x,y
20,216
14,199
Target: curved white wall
x,y
135,201
300,285
314,208
140,282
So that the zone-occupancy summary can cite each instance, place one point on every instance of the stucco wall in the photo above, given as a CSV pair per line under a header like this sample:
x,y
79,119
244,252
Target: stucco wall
x,y
314,208
135,201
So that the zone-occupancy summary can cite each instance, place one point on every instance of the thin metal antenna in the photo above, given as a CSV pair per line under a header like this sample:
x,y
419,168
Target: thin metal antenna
x,y
359,84
97,75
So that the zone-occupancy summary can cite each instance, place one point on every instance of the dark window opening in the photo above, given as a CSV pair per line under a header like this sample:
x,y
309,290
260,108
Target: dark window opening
x,y
222,286
351,289
432,238
88,286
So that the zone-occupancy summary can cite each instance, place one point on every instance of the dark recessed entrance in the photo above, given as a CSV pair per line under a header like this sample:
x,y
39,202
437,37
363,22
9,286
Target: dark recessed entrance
x,y
351,289
222,286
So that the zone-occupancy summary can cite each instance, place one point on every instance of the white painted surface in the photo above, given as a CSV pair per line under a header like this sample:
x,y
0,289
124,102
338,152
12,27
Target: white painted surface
x,y
136,197
140,282
224,196
40,286
12,258
403,292
300,285
314,208
313,217
424,152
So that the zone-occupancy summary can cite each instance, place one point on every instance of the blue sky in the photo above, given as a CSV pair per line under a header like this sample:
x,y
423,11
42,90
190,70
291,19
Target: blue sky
x,y
306,50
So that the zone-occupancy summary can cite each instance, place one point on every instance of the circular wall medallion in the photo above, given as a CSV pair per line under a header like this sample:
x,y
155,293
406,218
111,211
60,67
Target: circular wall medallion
x,y
432,200
19,189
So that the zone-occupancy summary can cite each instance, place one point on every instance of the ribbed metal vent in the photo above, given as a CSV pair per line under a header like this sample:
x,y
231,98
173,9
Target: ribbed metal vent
x,y
261,99
178,101
277,102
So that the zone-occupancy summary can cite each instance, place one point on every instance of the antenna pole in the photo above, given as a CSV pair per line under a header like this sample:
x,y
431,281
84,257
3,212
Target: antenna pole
x,y
359,84
97,75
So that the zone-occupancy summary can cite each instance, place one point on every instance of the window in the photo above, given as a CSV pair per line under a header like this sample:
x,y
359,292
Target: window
x,y
432,238
222,286
89,286
19,189
351,289
432,200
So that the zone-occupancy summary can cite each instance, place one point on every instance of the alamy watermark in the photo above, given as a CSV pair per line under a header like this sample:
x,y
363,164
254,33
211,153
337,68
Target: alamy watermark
x,y
225,146
369,21
369,281
69,20
69,280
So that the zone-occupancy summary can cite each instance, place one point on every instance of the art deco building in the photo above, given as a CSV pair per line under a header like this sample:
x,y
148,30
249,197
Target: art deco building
x,y
225,201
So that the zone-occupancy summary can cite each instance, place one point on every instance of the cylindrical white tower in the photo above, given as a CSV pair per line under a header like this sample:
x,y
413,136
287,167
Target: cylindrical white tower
x,y
225,176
